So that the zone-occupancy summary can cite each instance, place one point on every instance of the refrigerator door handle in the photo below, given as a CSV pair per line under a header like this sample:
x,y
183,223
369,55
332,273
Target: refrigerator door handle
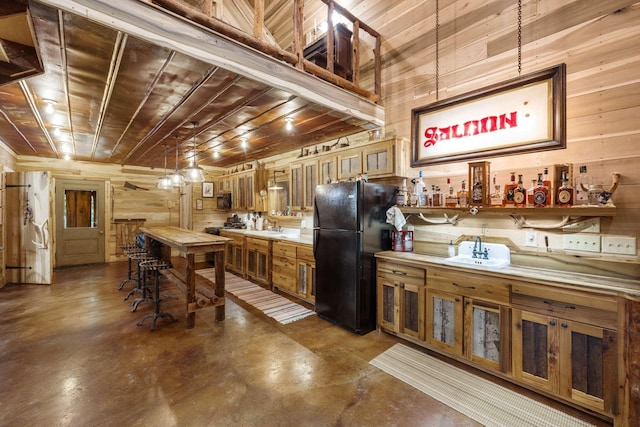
x,y
316,235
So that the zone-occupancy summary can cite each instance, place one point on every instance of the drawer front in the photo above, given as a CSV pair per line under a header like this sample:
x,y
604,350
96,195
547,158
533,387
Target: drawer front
x,y
259,244
305,254
283,250
401,273
470,284
601,311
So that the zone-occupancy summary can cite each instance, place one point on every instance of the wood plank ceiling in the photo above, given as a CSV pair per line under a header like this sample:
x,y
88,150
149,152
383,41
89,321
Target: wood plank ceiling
x,y
116,98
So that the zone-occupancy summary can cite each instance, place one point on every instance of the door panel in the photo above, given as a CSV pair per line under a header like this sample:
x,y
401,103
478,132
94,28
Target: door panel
x,y
80,223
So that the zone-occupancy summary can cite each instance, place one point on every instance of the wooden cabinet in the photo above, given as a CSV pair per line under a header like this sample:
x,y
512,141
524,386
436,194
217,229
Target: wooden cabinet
x,y
245,189
306,263
293,270
378,160
234,253
401,299
468,316
304,178
349,164
283,275
565,343
328,169
258,255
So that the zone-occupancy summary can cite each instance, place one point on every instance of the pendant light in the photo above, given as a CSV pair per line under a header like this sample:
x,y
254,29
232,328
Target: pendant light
x,y
194,173
177,180
164,182
274,185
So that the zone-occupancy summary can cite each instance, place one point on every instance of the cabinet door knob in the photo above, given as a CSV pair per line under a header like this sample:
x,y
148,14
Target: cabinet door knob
x,y
552,323
564,325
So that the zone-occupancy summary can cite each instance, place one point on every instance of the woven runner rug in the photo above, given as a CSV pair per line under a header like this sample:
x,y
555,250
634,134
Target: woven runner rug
x,y
475,397
273,305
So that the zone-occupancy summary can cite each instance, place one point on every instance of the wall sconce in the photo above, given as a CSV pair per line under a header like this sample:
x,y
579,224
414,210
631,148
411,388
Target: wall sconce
x,y
289,123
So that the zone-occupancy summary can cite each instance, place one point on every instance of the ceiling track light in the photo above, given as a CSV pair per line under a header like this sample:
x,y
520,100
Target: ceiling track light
x,y
289,123
194,173
49,107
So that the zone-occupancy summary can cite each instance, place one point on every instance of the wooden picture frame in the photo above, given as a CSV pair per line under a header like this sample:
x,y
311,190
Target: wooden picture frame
x,y
524,114
207,190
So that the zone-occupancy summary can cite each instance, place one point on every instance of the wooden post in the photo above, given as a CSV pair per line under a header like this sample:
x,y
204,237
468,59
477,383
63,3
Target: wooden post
x,y
258,19
330,37
355,54
378,67
190,319
298,33
219,283
633,361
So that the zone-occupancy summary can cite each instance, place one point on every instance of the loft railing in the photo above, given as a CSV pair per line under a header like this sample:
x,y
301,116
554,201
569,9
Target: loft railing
x,y
295,58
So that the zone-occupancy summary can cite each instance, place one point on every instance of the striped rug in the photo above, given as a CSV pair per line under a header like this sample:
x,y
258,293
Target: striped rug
x,y
273,305
475,397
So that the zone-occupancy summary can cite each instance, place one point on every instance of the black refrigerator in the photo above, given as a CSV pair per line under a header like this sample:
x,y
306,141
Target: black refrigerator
x,y
349,226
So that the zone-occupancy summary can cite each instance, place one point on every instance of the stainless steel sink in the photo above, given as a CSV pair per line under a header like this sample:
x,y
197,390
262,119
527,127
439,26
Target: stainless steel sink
x,y
479,254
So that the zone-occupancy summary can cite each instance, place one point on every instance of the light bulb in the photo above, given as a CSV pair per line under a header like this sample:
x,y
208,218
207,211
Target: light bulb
x,y
289,124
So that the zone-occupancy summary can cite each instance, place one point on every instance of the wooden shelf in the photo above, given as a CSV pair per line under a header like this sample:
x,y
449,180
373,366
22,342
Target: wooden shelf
x,y
573,211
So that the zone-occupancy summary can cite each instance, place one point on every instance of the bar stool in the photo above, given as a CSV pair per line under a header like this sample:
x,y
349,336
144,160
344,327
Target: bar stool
x,y
154,267
129,249
141,286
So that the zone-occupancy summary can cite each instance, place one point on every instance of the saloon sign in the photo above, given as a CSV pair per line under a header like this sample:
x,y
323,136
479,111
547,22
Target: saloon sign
x,y
525,114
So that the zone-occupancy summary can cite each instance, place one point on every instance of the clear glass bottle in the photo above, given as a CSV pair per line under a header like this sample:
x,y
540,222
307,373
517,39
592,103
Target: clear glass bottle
x,y
463,195
437,198
401,198
476,189
420,194
541,197
565,192
520,194
496,196
581,187
530,192
451,200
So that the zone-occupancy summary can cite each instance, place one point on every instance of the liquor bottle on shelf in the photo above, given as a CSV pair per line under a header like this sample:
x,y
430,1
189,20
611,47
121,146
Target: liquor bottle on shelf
x,y
530,192
541,196
565,192
581,187
547,181
476,190
463,195
508,191
451,200
496,197
520,194
419,189
437,197
401,198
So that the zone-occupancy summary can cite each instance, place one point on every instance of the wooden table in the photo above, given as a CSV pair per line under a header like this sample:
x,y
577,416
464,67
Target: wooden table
x,y
191,243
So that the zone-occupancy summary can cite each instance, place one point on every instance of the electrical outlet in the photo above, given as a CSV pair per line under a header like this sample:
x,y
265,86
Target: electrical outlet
x,y
619,245
581,242
591,225
531,238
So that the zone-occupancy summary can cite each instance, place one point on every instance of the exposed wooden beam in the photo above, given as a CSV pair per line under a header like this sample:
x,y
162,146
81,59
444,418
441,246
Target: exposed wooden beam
x,y
147,22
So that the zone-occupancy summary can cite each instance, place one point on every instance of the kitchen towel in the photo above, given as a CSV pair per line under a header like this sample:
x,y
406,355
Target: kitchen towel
x,y
395,217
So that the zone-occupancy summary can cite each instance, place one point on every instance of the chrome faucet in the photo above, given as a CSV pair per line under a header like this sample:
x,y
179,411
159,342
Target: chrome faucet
x,y
478,253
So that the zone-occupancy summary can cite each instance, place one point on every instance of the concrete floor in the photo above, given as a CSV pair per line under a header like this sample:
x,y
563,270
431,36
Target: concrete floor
x,y
72,355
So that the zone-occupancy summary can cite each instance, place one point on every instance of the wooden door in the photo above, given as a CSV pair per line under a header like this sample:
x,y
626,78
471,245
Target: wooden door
x,y
444,321
27,243
80,222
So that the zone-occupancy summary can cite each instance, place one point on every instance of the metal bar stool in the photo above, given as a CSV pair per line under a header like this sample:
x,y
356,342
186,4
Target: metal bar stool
x,y
154,266
141,286
129,249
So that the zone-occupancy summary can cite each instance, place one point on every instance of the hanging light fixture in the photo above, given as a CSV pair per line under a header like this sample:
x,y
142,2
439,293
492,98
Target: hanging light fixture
x,y
164,182
274,185
177,180
194,173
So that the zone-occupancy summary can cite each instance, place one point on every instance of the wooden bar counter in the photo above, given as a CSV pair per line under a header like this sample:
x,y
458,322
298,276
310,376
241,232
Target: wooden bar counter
x,y
191,243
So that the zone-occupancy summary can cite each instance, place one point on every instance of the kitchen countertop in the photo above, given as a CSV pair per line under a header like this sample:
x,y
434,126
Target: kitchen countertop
x,y
289,235
565,279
